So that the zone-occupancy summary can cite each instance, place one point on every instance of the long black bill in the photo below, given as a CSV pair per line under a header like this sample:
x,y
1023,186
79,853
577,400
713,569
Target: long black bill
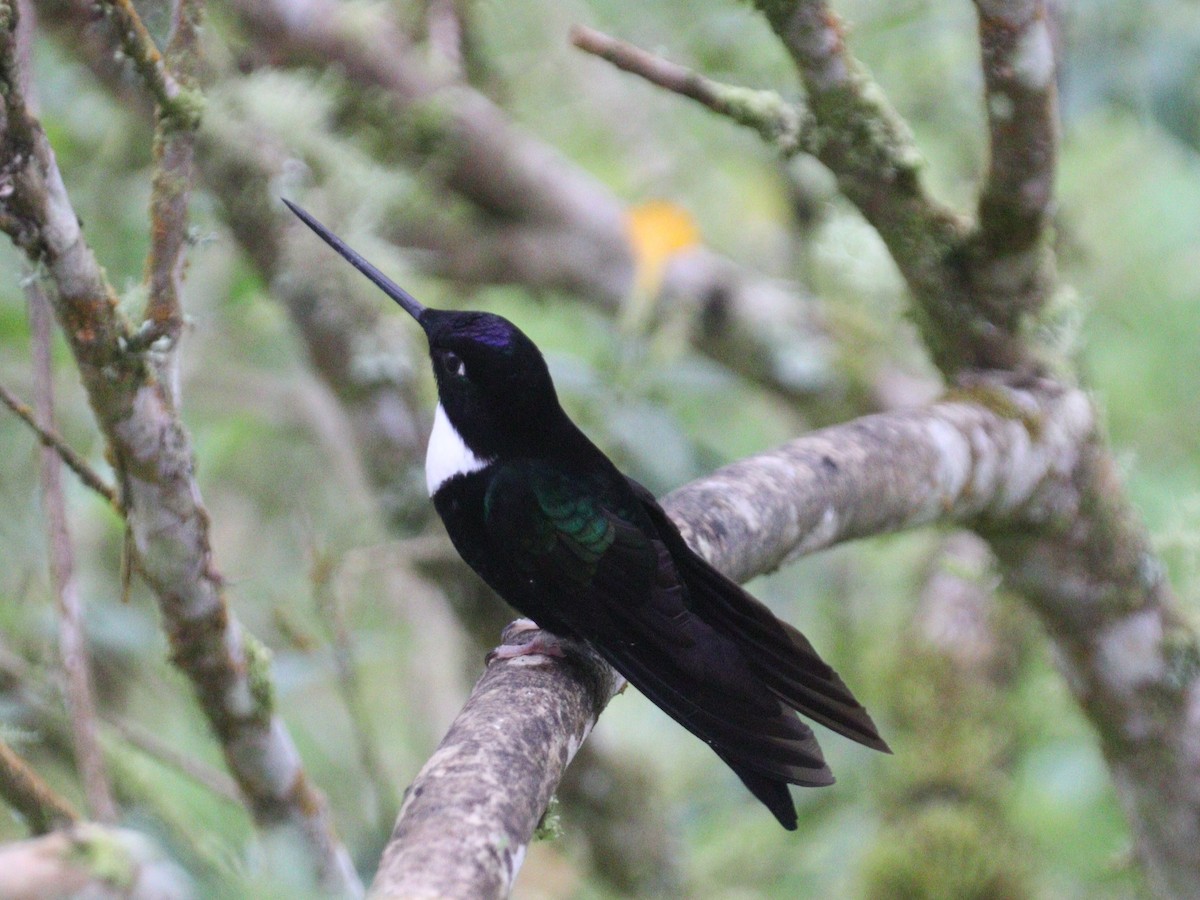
x,y
407,301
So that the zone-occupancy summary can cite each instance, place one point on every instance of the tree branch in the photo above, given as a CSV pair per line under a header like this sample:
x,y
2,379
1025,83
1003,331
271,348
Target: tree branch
x,y
23,789
1013,269
54,441
169,524
869,149
139,46
174,174
993,450
780,124
543,222
72,643
1130,658
469,815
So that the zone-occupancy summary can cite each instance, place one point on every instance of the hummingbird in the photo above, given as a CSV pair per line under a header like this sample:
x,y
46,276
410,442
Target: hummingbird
x,y
569,541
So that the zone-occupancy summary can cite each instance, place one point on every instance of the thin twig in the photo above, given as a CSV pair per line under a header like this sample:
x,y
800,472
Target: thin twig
x,y
139,46
24,790
174,175
53,440
72,643
332,616
780,123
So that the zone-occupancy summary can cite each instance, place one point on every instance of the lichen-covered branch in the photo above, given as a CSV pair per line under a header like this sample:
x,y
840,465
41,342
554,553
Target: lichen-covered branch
x,y
781,124
72,643
171,190
470,814
1012,267
170,93
168,522
990,451
1131,659
35,801
868,147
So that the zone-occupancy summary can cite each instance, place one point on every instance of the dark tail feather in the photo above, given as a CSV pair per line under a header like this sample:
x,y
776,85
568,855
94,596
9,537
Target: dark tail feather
x,y
772,792
779,654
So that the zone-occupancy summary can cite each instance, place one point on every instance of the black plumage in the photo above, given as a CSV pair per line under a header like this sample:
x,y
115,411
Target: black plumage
x,y
568,540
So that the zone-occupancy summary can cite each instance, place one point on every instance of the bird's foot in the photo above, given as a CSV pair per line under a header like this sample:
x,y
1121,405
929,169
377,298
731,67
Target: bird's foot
x,y
541,644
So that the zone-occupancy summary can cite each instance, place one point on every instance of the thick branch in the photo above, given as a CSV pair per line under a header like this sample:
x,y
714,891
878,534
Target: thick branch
x,y
990,451
545,223
1130,657
468,817
1012,268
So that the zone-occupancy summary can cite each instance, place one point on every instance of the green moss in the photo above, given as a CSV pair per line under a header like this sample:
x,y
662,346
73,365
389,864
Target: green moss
x,y
777,121
998,400
549,827
186,110
945,851
258,670
104,856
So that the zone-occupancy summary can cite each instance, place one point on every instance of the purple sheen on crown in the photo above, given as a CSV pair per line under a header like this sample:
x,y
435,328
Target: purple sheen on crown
x,y
491,330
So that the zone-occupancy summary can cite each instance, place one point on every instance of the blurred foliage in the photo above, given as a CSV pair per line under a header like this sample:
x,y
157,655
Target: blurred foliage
x,y
281,486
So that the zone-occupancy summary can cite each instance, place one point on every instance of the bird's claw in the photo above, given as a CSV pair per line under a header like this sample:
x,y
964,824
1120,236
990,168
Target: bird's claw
x,y
541,644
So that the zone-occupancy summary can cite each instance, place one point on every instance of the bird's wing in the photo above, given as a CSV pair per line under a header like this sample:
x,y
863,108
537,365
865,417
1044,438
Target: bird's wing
x,y
615,584
778,653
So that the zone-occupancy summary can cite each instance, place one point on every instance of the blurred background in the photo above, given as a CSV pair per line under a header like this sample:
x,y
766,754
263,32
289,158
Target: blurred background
x,y
306,397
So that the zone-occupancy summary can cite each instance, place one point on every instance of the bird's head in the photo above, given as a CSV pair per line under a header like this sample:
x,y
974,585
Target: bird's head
x,y
492,380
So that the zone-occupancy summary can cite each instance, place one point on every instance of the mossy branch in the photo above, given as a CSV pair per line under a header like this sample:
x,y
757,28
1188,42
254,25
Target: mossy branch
x,y
782,125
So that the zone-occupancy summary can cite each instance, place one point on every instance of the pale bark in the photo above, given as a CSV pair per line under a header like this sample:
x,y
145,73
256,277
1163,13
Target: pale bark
x,y
152,453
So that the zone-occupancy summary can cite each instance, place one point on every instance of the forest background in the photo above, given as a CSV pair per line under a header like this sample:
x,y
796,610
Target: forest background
x,y
325,546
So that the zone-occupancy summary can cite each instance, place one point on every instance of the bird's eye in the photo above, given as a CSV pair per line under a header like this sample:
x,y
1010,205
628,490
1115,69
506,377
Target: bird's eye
x,y
453,365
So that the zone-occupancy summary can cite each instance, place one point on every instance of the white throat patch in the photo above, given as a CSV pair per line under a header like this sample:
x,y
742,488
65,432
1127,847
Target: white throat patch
x,y
448,454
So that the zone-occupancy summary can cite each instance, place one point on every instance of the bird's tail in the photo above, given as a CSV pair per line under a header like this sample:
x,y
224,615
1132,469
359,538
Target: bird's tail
x,y
779,654
772,791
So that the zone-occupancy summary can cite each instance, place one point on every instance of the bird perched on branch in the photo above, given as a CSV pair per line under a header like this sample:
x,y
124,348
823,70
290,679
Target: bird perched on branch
x,y
560,533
